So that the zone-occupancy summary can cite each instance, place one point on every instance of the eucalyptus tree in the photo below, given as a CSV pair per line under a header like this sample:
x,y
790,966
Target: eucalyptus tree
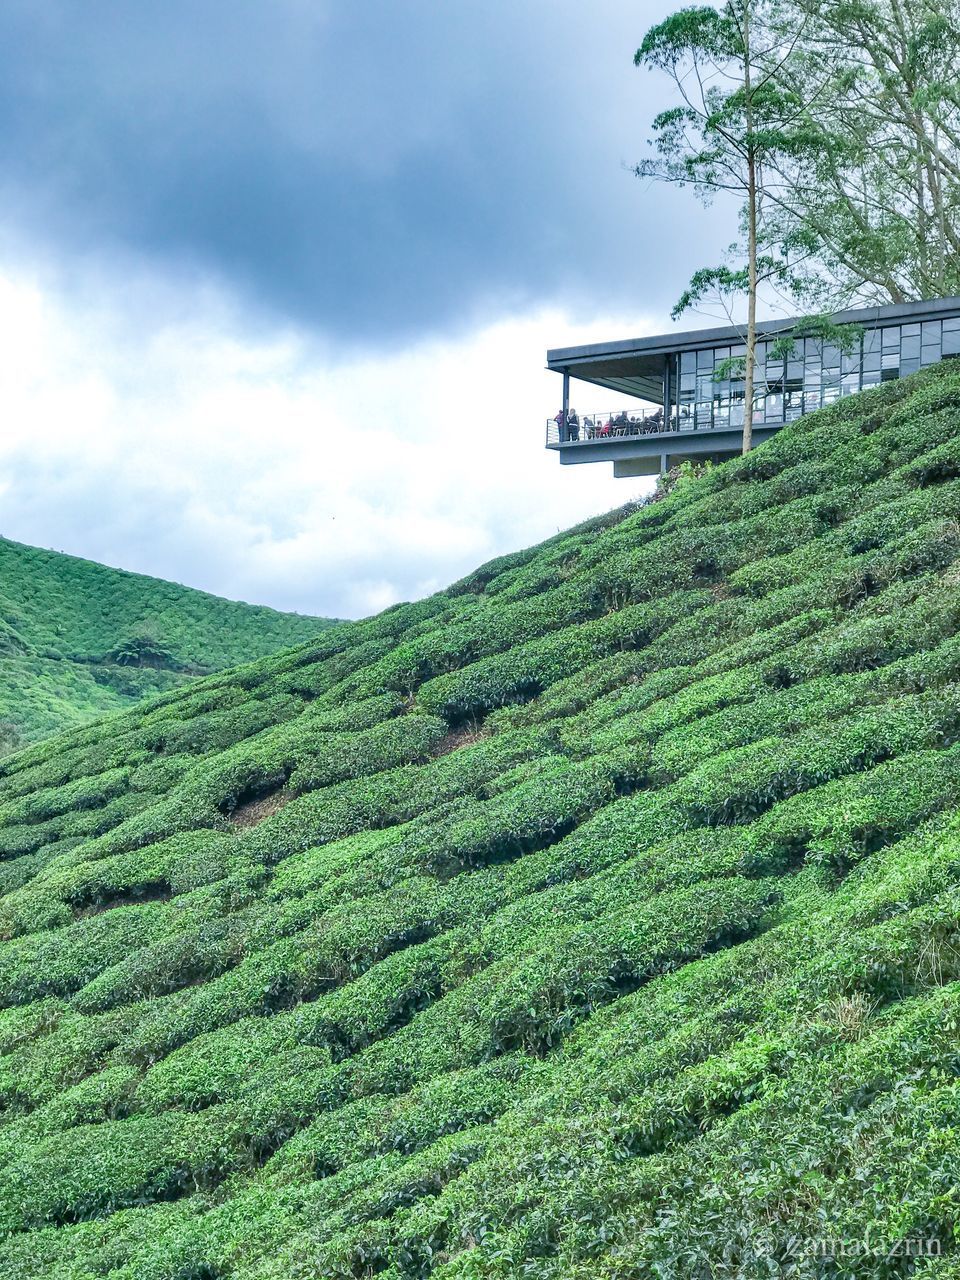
x,y
732,129
872,197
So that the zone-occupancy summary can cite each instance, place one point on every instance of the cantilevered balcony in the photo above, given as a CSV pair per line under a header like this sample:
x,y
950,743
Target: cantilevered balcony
x,y
638,442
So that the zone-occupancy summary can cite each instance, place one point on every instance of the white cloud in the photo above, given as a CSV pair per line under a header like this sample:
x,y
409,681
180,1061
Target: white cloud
x,y
259,466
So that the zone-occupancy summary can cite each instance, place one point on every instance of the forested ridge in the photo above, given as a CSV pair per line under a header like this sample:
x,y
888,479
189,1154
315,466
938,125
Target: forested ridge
x,y
79,639
598,917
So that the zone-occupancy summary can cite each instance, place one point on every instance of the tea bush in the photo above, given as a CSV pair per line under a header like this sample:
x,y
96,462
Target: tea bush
x,y
597,918
78,639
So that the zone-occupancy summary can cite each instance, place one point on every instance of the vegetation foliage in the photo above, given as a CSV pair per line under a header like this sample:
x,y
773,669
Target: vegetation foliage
x,y
78,639
601,920
835,126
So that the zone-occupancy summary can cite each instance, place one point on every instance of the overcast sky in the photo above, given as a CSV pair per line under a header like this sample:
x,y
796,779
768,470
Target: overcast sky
x,y
277,280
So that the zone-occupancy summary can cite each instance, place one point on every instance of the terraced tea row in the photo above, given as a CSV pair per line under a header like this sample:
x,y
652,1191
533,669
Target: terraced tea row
x,y
598,917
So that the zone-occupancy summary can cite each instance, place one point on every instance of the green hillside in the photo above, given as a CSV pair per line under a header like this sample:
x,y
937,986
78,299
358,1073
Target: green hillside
x,y
78,639
596,918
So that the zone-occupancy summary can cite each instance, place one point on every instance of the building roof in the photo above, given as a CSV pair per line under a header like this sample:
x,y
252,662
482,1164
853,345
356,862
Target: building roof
x,y
634,366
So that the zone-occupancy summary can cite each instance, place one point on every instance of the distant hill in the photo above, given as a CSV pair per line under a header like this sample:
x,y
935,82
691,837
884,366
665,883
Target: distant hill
x,y
595,919
78,639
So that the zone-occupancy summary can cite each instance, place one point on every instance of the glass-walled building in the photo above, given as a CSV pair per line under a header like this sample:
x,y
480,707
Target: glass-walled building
x,y
681,400
813,374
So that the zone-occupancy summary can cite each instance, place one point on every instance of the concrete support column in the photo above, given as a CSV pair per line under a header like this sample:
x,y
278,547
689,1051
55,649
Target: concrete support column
x,y
564,434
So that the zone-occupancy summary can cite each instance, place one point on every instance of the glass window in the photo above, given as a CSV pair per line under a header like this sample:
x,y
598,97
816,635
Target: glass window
x,y
813,374
774,406
910,345
871,362
793,399
850,361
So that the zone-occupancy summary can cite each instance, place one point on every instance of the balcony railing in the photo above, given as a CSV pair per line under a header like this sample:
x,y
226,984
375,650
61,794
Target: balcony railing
x,y
605,426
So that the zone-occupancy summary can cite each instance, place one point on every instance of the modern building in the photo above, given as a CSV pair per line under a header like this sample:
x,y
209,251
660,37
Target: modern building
x,y
679,405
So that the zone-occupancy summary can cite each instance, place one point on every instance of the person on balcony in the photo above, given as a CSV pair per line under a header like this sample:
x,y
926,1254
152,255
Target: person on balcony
x,y
561,426
573,425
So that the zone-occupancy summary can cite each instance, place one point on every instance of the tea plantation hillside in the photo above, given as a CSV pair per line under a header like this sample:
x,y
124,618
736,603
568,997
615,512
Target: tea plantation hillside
x,y
598,918
78,639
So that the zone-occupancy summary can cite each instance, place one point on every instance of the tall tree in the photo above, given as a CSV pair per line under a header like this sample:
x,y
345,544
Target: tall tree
x,y
872,197
734,119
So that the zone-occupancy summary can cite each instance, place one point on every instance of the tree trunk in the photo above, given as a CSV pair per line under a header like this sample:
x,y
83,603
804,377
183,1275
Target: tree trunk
x,y
750,361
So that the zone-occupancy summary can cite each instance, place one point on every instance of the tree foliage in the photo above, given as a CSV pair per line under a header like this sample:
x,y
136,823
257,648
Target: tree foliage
x,y
835,126
855,125
872,197
735,122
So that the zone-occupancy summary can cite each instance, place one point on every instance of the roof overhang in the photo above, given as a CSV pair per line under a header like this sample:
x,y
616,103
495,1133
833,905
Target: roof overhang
x,y
635,366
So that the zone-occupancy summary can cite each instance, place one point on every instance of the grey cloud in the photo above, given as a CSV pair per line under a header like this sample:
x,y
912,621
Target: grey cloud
x,y
374,171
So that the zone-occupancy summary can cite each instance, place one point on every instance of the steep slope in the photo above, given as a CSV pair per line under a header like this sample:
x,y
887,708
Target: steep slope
x,y
78,639
597,918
